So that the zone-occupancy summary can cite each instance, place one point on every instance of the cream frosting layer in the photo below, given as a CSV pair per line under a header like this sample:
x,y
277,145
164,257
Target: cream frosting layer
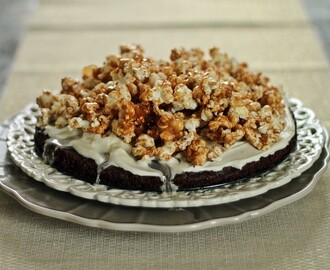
x,y
112,150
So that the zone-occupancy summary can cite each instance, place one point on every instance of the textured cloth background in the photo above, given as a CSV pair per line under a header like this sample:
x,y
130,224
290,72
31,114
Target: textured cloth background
x,y
272,36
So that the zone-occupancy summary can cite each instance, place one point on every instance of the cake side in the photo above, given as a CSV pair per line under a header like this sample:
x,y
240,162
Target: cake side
x,y
68,161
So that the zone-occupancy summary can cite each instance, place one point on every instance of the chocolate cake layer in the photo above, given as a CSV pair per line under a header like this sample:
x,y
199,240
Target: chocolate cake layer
x,y
70,162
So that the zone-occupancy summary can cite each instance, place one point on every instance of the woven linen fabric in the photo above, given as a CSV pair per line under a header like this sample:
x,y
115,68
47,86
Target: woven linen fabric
x,y
272,36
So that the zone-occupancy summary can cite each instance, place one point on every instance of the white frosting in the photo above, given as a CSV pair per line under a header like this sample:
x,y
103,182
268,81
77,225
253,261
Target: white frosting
x,y
113,151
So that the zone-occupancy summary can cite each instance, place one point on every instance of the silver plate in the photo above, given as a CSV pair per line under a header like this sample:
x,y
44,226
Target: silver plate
x,y
310,141
47,201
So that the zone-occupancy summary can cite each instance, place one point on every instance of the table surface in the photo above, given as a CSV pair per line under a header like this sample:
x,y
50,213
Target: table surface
x,y
280,38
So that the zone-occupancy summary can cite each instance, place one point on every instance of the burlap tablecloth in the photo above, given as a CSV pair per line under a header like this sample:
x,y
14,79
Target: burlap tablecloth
x,y
273,36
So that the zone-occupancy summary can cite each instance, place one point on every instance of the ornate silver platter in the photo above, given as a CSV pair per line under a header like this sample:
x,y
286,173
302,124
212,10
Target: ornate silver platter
x,y
39,198
311,141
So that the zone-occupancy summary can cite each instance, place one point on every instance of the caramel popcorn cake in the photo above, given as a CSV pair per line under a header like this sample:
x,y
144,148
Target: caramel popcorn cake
x,y
191,121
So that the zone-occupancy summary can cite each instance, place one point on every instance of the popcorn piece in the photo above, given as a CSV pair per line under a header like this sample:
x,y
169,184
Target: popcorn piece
x,y
263,130
57,109
165,152
124,126
123,91
191,124
46,99
183,99
89,71
202,92
186,140
162,92
273,98
196,152
112,101
77,122
171,127
71,86
206,114
224,131
144,146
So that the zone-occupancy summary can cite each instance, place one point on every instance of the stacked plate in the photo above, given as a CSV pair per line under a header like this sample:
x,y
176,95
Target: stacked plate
x,y
63,197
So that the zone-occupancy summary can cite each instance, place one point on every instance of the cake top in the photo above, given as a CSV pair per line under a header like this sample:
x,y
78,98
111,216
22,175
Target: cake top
x,y
190,104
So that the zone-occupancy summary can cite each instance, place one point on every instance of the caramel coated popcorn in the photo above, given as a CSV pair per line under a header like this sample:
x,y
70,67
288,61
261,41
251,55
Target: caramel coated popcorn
x,y
190,105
